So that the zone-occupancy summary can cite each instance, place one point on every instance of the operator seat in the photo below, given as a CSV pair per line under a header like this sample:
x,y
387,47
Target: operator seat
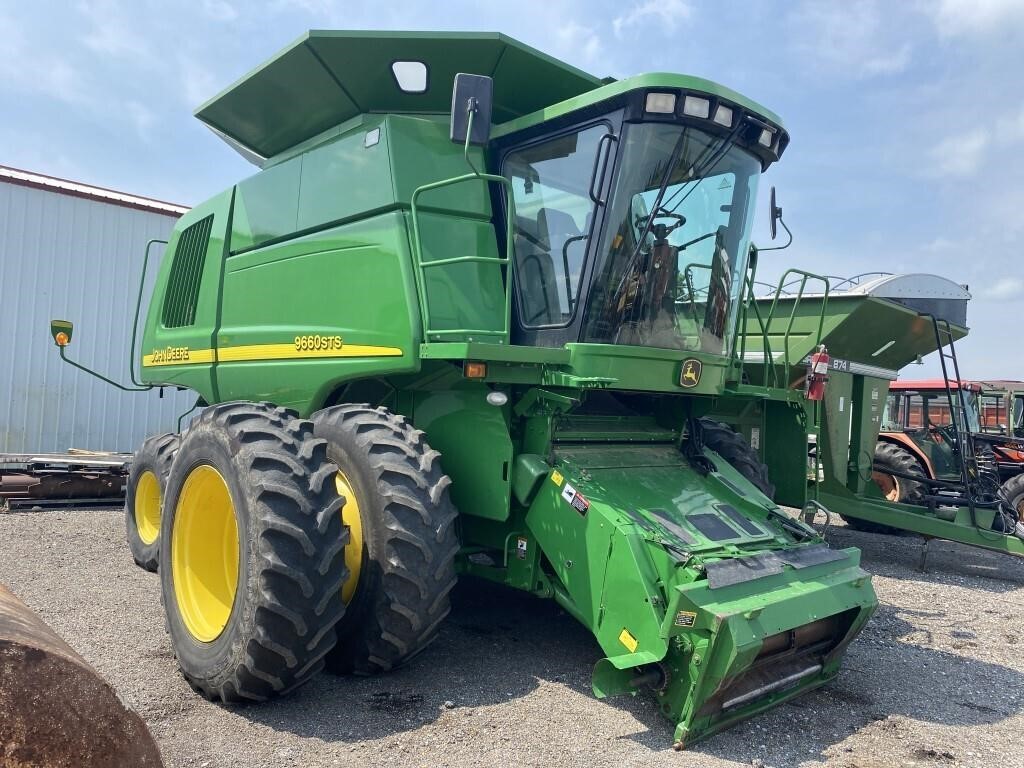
x,y
535,274
545,272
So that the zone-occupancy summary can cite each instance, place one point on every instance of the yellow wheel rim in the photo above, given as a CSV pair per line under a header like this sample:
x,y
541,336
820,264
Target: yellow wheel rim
x,y
354,551
204,553
147,507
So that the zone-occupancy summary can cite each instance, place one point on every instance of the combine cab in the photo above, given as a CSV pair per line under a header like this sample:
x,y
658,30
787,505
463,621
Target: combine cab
x,y
433,345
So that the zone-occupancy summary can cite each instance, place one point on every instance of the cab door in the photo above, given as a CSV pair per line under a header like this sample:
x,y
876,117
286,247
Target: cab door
x,y
555,187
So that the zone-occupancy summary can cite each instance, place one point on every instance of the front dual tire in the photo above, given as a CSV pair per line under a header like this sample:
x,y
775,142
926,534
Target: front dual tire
x,y
290,544
252,557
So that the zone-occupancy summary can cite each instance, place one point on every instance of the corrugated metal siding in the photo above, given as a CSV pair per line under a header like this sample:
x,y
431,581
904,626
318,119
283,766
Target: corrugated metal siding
x,y
74,259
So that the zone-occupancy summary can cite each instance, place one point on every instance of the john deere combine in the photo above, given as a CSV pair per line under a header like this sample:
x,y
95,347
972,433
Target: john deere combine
x,y
430,345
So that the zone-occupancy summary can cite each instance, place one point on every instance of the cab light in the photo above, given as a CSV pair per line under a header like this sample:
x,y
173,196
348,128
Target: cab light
x,y
475,370
695,106
661,103
766,137
723,115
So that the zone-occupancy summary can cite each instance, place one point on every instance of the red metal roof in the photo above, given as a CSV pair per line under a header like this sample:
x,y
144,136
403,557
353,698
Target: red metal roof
x,y
928,384
88,191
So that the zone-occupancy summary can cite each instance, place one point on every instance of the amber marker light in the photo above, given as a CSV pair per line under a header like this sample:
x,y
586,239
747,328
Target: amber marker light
x,y
475,370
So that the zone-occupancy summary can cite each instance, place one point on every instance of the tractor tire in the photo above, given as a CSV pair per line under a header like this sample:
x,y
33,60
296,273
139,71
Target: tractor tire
x,y
402,566
143,497
252,552
731,446
1013,489
895,489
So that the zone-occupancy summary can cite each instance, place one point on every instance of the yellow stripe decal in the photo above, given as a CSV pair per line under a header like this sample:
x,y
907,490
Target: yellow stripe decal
x,y
289,352
252,352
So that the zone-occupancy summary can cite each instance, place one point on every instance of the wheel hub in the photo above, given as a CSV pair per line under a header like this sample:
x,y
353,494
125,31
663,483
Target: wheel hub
x,y
147,507
205,553
888,484
350,516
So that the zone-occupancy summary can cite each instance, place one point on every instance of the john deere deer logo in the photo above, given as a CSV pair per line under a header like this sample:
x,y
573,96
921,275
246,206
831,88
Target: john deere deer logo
x,y
690,376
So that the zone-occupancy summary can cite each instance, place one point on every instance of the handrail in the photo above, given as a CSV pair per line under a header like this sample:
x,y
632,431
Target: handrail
x,y
417,250
138,309
804,277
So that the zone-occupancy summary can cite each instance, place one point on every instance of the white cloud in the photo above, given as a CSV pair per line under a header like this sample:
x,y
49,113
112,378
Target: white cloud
x,y
962,18
576,41
1004,288
28,68
961,154
887,62
197,83
665,15
142,118
111,32
219,10
851,38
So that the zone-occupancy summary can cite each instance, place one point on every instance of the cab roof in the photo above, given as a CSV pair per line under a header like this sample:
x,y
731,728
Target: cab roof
x,y
328,76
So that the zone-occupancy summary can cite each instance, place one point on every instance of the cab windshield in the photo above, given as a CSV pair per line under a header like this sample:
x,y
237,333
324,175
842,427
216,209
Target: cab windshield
x,y
673,280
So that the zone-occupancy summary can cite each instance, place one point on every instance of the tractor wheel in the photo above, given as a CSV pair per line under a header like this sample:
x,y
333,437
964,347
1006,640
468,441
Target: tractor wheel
x,y
402,560
147,479
893,488
731,446
1013,489
252,552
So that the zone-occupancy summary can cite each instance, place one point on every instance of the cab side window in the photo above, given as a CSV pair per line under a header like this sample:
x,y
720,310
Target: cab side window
x,y
553,213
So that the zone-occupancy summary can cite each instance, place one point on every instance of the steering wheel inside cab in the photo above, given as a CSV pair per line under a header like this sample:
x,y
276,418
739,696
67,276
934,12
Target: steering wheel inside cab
x,y
660,230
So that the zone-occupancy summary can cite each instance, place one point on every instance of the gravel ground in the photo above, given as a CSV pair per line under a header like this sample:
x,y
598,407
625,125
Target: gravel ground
x,y
936,679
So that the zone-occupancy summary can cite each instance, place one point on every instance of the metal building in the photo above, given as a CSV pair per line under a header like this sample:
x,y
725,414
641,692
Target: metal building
x,y
74,252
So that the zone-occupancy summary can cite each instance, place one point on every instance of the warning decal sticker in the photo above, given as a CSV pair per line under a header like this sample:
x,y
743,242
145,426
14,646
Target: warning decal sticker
x,y
556,478
685,618
576,499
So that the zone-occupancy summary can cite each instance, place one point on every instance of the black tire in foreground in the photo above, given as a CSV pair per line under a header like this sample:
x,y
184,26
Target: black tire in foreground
x,y
896,489
1013,489
731,446
402,561
252,552
143,498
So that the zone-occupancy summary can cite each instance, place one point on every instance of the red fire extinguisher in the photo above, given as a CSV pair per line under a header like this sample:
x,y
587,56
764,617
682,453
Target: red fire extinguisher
x,y
817,374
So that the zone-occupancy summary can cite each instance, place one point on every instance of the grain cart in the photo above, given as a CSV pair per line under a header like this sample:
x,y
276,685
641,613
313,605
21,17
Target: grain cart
x,y
430,344
872,328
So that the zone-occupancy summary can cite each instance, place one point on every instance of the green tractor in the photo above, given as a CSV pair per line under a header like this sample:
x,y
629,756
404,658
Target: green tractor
x,y
428,344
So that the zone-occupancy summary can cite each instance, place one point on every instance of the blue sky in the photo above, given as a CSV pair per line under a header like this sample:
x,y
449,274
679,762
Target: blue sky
x,y
907,118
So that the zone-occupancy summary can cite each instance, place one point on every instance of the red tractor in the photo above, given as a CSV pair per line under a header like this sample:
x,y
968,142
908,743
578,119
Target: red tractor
x,y
929,429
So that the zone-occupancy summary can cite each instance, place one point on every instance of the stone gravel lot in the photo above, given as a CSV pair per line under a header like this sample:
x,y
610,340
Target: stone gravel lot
x,y
936,679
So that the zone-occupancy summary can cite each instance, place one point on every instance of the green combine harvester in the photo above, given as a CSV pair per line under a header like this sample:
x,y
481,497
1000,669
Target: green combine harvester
x,y
872,328
477,315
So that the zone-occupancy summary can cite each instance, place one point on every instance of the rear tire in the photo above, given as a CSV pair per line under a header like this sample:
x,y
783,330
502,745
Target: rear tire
x,y
143,500
894,489
401,578
1013,489
252,553
731,446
